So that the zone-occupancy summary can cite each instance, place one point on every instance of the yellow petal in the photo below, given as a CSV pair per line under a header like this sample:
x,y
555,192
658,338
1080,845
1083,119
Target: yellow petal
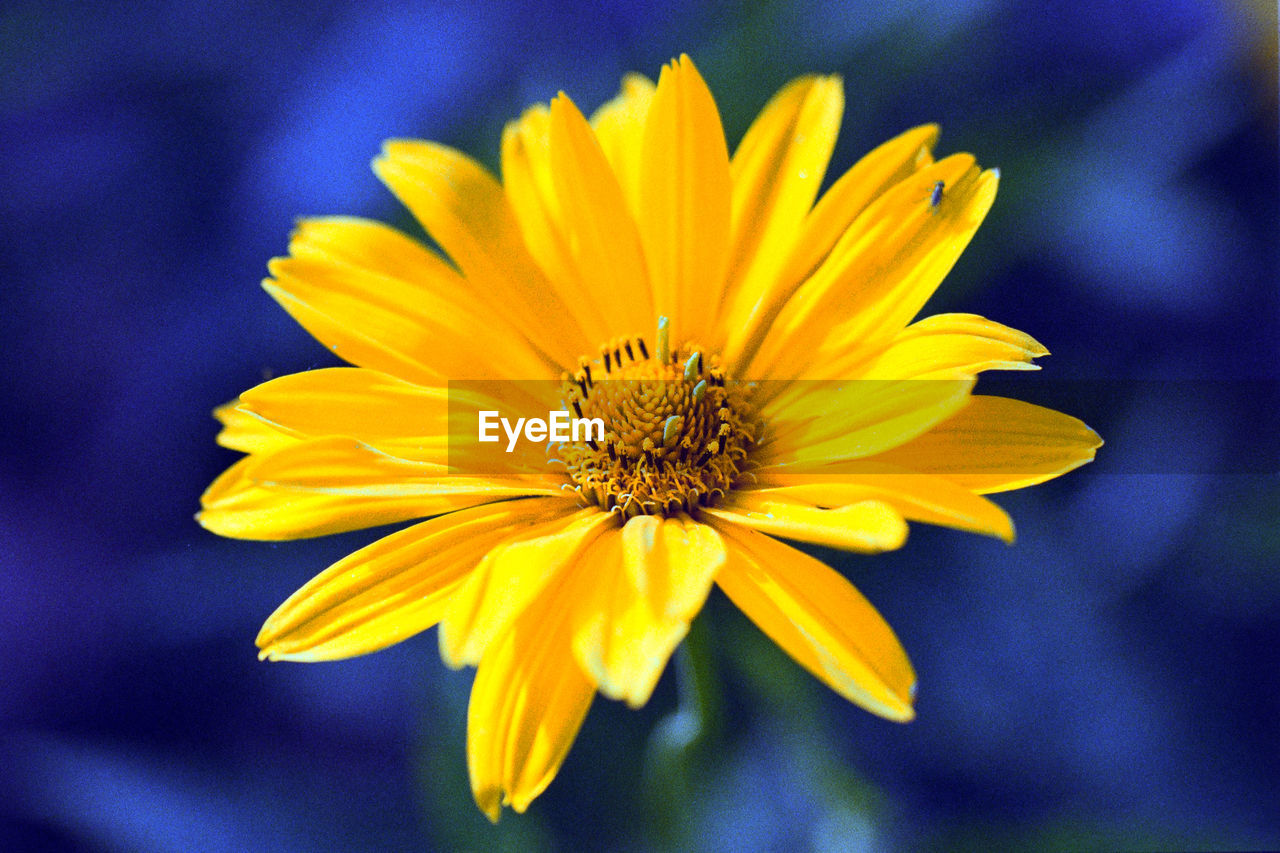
x,y
346,401
247,433
617,638
870,177
235,506
816,424
399,418
332,325
867,526
527,704
394,588
375,270
685,202
995,444
881,272
878,171
417,324
529,184
672,563
819,619
382,267
508,579
649,582
601,231
901,272
776,172
619,126
951,346
918,497
465,210
334,484
403,268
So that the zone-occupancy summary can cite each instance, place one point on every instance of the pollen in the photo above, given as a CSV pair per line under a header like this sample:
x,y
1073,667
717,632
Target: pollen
x,y
678,433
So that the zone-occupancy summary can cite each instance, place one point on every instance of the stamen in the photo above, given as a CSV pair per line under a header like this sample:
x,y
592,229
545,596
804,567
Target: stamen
x,y
644,350
664,340
671,429
699,390
693,367
630,354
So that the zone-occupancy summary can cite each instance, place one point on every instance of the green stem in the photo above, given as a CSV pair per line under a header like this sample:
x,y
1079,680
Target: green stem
x,y
696,683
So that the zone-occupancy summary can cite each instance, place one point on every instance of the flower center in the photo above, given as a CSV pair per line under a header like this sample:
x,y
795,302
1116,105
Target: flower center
x,y
676,433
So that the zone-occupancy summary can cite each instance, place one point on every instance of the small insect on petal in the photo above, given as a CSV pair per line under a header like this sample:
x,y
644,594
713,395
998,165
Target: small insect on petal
x,y
935,195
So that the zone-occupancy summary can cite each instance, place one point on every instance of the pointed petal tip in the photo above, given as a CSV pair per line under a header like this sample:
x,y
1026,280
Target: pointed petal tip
x,y
520,801
932,132
682,66
267,633
904,709
828,85
489,801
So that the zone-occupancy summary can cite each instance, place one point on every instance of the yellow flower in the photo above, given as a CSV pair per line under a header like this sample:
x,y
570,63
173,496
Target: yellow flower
x,y
579,569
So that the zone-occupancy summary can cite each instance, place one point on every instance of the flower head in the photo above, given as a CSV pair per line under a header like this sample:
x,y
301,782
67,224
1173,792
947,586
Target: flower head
x,y
750,355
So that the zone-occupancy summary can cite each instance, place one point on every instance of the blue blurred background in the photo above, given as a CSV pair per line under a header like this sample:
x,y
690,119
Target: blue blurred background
x,y
1112,680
